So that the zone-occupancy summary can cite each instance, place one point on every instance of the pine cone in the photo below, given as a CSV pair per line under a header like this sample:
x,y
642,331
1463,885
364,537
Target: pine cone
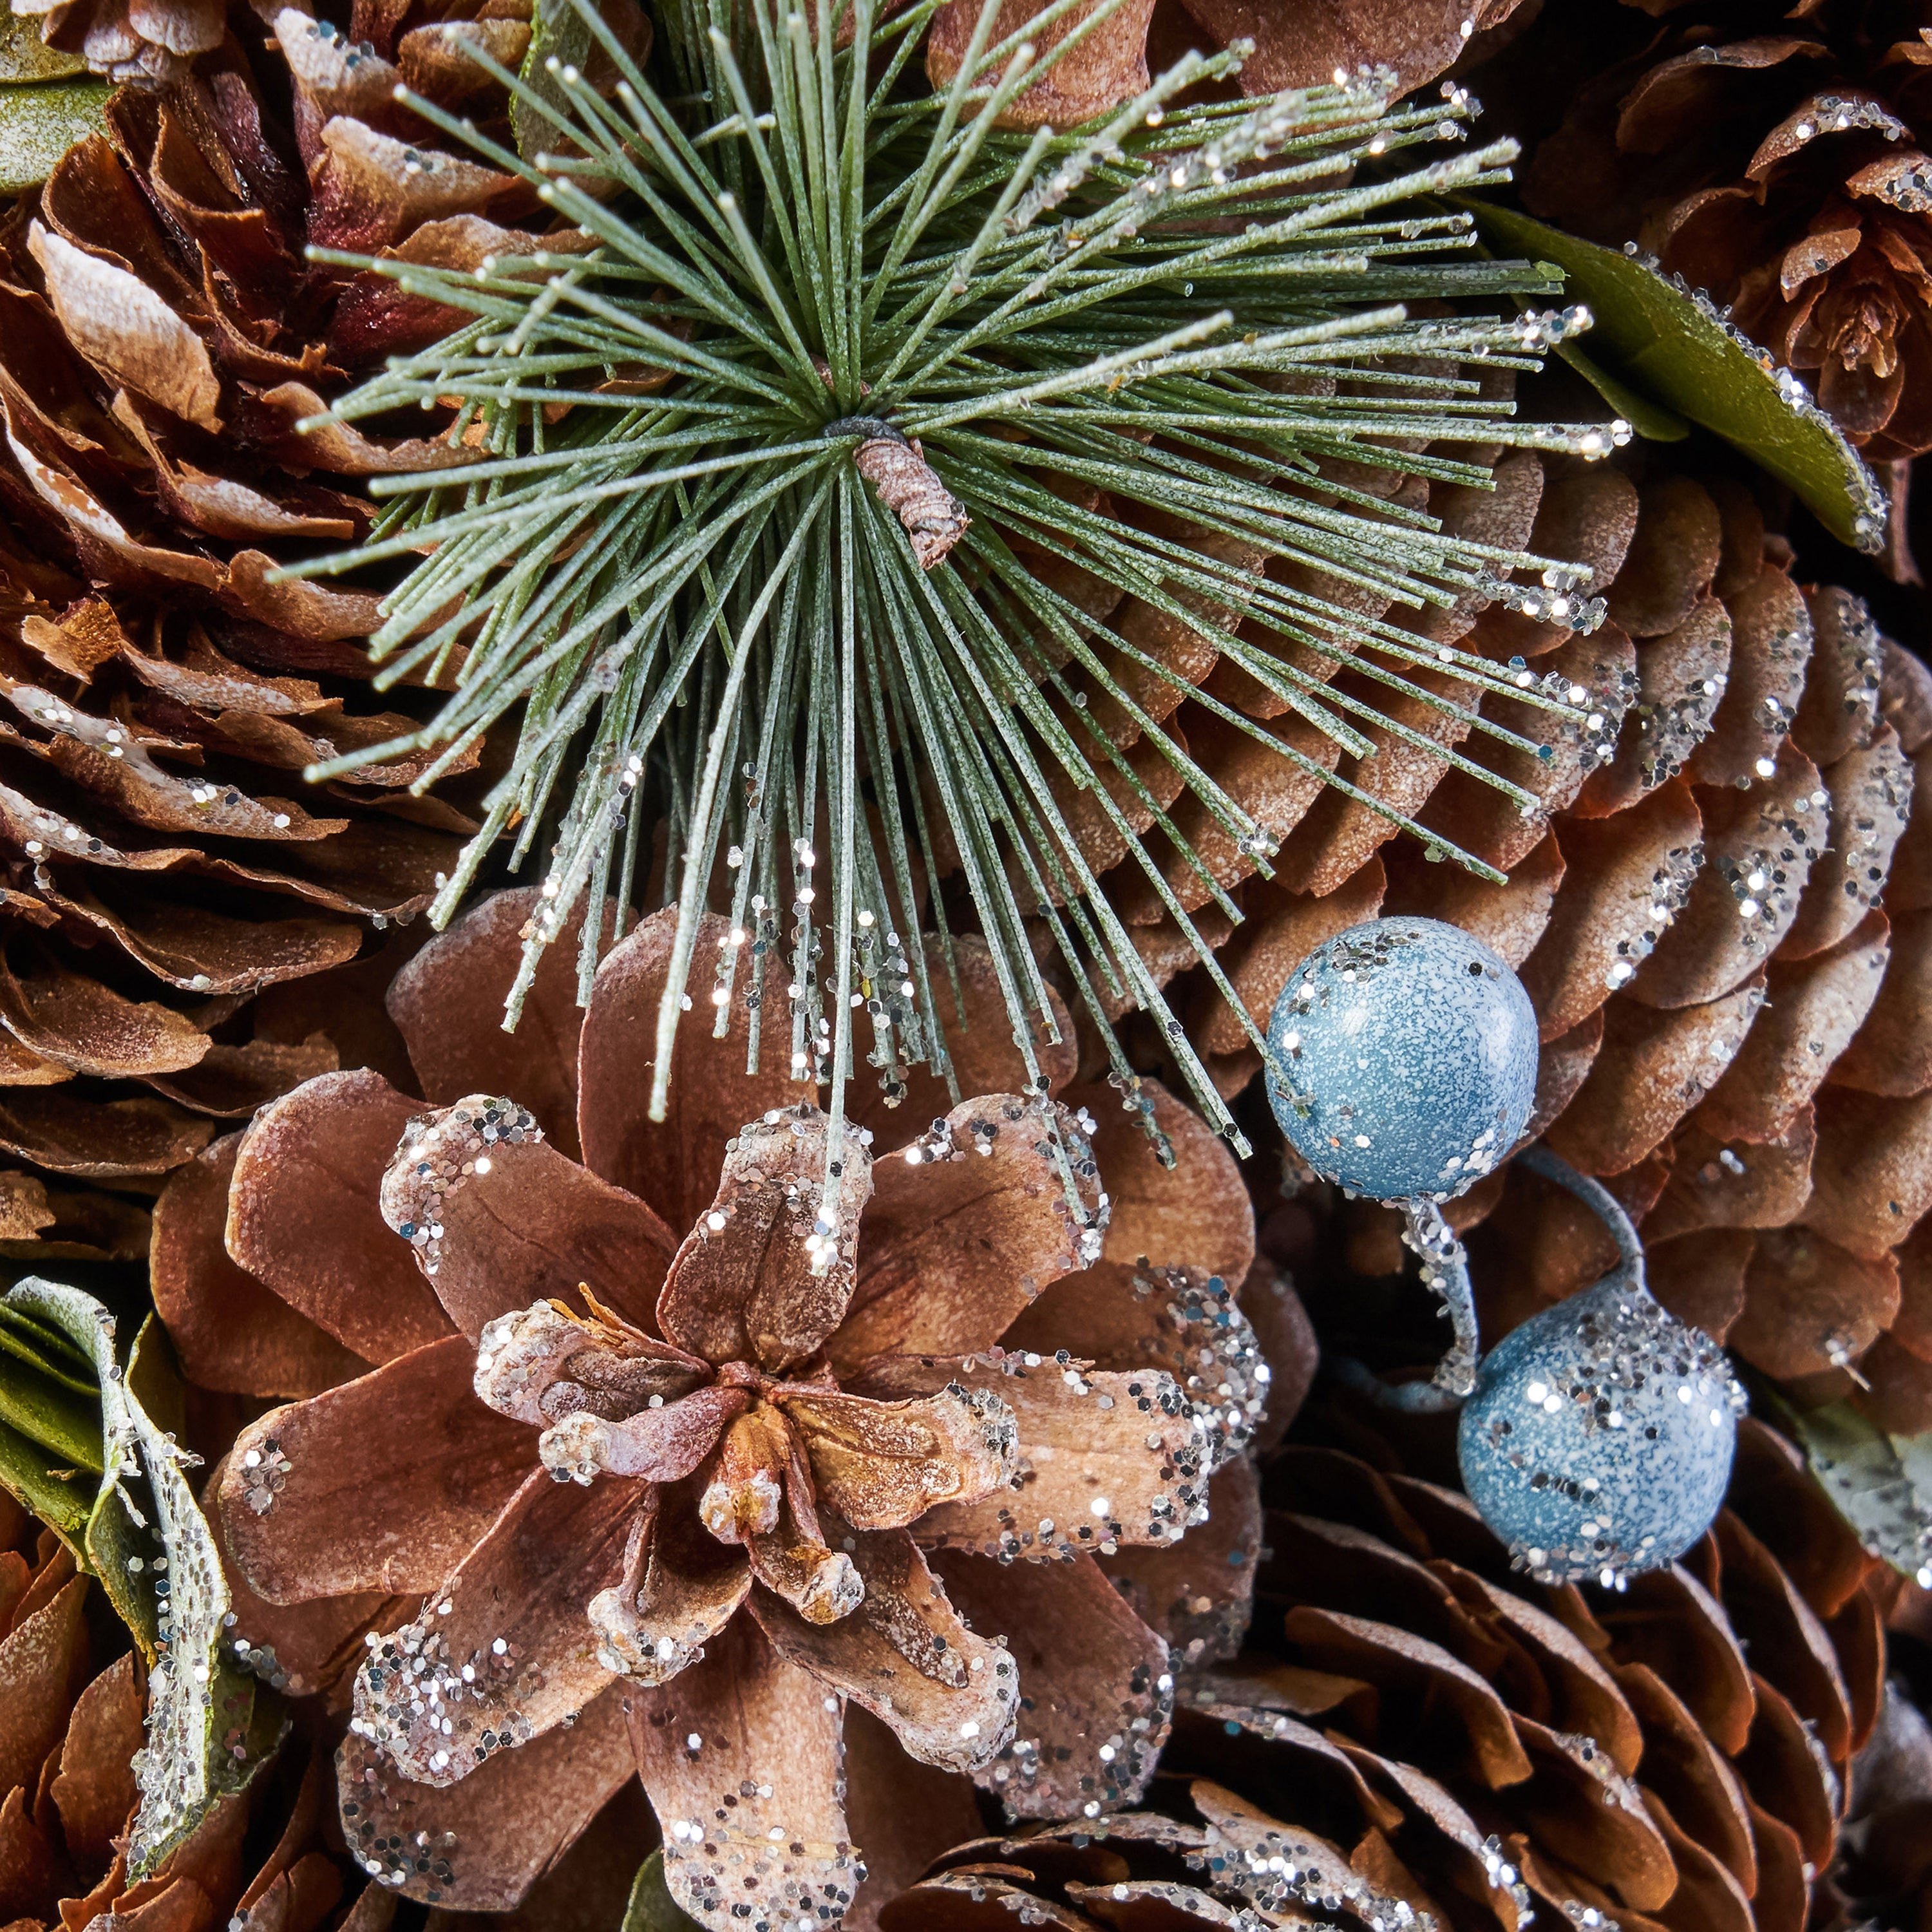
x,y
1416,1737
1721,924
278,1270
164,339
71,1711
1776,161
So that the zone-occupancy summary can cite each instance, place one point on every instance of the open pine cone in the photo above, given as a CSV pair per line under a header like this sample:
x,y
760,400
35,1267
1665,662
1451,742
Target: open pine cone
x,y
1724,927
163,338
591,1576
1415,1736
1775,159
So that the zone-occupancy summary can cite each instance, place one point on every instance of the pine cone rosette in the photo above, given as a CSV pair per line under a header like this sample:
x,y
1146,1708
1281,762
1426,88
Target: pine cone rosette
x,y
1776,161
1417,1737
663,1506
160,697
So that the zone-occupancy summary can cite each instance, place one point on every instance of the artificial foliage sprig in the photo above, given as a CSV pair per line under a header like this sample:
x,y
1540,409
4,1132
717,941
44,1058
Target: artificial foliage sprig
x,y
761,452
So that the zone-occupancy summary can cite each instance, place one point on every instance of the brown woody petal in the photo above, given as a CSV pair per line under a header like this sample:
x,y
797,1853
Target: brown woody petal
x,y
1305,48
1624,878
1784,1636
1764,1184
205,951
1194,1213
1771,649
1098,1698
1759,845
751,1281
906,1653
229,1331
370,187
1478,1730
42,1658
1909,887
1870,792
1673,557
958,1240
1813,1010
1562,1067
1197,1594
882,1465
1706,1896
1872,1177
1581,1806
1784,1766
384,1484
505,1650
1842,689
1288,1343
130,333
1891,1052
1913,1328
75,1020
1694,1776
94,1790
119,1140
1109,66
303,1214
1681,680
1104,1456
1654,1067
740,1756
1898,1391
448,1004
902,1814
498,1218
1509,919
1810,1307
480,1846
673,1163
680,1587
232,1082
1670,1622
1700,1277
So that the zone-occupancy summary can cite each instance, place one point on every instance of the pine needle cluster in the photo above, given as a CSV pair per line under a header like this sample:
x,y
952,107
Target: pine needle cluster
x,y
759,468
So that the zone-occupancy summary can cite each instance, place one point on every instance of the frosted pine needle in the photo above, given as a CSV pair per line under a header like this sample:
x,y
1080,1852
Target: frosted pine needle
x,y
761,447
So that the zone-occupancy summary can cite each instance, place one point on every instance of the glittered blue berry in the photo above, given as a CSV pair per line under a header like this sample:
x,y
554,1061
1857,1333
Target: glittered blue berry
x,y
1402,1059
1598,1442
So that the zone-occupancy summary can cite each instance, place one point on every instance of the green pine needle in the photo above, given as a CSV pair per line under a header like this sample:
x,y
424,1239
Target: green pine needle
x,y
690,548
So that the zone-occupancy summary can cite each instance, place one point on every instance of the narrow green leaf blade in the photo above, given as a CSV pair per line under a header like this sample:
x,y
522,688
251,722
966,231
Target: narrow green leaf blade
x,y
1675,349
206,1731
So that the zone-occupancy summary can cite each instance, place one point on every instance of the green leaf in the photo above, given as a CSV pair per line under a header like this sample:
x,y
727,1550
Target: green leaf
x,y
62,1500
652,1908
38,124
1674,349
1881,1484
207,1727
25,57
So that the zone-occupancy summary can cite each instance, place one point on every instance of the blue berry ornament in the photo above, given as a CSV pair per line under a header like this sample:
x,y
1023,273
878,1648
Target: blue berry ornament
x,y
1598,1442
1402,1059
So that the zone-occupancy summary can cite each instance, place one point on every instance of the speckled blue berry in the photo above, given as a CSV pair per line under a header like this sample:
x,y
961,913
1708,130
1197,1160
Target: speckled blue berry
x,y
1402,1059
1598,1442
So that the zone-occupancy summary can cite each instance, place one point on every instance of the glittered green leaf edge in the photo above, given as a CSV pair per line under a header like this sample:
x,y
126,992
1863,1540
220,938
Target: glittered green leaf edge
x,y
1671,346
147,1541
652,1908
1881,1484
